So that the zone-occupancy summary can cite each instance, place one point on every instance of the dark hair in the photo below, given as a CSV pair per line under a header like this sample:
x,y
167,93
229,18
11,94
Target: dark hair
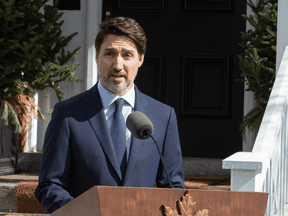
x,y
122,26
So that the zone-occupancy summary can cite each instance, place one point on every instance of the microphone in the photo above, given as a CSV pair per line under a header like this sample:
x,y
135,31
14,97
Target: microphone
x,y
141,127
139,124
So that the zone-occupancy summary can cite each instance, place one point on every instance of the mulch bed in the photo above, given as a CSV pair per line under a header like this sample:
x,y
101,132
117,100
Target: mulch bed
x,y
199,181
26,200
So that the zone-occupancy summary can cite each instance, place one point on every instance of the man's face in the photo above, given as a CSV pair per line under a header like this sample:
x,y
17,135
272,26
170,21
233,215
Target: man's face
x,y
118,62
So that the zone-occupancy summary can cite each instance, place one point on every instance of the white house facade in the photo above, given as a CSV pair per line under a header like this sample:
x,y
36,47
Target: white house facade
x,y
86,22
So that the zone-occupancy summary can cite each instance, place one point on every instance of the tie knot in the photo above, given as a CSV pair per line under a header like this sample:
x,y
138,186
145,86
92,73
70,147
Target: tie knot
x,y
119,104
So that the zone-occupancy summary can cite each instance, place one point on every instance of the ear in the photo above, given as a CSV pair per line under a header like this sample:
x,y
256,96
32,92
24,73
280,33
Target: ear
x,y
141,60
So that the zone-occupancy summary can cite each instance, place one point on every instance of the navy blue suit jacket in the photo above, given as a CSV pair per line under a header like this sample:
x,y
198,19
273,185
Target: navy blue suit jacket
x,y
78,152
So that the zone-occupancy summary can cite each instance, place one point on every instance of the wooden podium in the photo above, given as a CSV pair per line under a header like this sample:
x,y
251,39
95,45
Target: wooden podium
x,y
120,201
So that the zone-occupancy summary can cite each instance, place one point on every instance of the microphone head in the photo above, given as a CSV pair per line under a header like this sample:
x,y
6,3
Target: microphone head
x,y
139,124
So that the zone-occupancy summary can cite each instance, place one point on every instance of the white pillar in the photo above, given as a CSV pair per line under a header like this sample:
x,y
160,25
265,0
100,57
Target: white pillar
x,y
32,130
93,20
249,100
45,105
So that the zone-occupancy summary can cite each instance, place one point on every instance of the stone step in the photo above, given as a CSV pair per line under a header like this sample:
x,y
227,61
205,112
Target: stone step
x,y
30,162
8,197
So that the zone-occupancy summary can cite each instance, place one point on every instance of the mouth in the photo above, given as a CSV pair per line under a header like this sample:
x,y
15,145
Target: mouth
x,y
118,75
117,79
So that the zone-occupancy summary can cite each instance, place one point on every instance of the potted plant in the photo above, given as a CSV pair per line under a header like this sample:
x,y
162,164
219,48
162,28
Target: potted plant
x,y
32,57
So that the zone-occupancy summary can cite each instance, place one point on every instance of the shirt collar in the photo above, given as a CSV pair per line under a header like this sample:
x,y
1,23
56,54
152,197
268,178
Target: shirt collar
x,y
108,97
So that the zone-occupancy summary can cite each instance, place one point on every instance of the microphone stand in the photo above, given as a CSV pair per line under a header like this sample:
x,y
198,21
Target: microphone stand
x,y
161,157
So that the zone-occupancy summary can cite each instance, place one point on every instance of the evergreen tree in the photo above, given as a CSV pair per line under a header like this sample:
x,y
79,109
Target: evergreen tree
x,y
258,62
32,56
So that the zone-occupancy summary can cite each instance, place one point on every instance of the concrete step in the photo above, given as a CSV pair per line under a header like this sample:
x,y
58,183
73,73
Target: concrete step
x,y
8,197
30,162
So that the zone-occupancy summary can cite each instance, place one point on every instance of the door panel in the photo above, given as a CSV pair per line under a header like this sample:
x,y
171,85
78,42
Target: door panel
x,y
205,85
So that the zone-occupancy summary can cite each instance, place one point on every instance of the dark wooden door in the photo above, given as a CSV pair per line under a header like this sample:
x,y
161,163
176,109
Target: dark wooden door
x,y
191,64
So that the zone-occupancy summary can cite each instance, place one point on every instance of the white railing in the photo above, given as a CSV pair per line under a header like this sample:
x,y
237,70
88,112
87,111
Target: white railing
x,y
265,169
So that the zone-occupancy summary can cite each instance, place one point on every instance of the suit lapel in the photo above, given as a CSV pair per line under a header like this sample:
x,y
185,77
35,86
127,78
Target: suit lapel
x,y
136,146
95,114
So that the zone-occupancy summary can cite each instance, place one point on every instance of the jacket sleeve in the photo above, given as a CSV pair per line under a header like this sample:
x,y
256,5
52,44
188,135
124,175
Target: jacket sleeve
x,y
172,156
52,191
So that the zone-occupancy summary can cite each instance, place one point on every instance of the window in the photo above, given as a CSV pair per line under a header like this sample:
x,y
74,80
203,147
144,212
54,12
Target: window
x,y
68,4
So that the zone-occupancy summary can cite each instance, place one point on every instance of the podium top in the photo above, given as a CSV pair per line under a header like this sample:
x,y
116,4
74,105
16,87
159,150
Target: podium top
x,y
107,201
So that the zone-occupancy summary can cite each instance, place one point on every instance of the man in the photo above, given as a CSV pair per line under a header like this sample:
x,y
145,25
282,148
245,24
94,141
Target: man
x,y
83,146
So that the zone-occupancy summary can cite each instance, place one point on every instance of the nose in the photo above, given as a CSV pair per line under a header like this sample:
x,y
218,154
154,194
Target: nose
x,y
118,64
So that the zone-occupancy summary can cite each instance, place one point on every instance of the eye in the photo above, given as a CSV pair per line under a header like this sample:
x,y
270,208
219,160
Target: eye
x,y
108,54
128,55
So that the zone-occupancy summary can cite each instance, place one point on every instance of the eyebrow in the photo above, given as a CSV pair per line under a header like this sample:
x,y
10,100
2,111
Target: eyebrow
x,y
122,50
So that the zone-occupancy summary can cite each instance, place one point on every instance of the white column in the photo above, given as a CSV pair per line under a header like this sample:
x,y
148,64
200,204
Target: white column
x,y
32,130
94,14
286,209
249,100
45,105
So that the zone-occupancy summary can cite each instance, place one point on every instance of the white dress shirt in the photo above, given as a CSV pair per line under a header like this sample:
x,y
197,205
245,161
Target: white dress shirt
x,y
108,99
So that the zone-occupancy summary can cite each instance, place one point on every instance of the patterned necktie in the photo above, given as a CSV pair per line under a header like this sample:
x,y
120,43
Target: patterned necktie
x,y
118,134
